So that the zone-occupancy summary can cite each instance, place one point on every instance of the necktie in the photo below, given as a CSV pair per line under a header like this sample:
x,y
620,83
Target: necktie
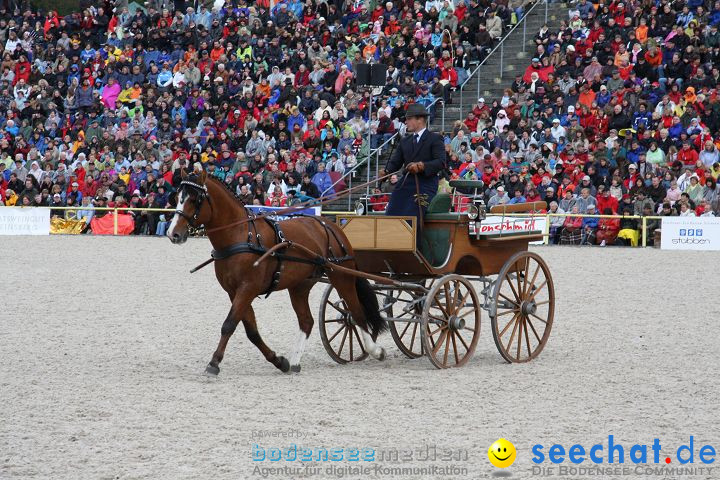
x,y
417,138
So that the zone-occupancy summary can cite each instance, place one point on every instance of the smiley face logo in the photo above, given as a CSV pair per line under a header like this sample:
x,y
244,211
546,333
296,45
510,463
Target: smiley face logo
x,y
502,453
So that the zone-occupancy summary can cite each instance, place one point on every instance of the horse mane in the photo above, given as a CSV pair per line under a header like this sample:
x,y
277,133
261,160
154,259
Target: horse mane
x,y
226,188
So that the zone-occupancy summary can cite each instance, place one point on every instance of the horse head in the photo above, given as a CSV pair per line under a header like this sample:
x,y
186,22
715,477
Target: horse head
x,y
193,207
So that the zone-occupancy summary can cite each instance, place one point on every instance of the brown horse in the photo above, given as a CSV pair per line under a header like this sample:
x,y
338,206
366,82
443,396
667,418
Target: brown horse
x,y
239,240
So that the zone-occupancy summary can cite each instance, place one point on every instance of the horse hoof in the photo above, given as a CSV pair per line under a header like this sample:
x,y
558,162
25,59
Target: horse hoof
x,y
284,365
212,370
381,357
295,368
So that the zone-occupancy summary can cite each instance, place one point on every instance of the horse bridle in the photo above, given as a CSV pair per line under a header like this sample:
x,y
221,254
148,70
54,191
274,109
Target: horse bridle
x,y
202,195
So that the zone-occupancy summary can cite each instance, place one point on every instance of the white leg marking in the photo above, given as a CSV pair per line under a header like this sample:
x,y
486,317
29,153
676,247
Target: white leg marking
x,y
299,348
371,347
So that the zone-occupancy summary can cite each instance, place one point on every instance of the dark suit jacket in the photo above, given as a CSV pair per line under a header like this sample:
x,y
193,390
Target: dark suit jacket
x,y
430,150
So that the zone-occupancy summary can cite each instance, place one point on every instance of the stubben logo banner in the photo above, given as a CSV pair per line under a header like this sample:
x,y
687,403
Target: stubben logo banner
x,y
690,233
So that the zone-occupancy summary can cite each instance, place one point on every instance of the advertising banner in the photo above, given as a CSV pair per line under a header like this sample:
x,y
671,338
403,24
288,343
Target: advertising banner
x,y
497,225
690,233
24,221
258,209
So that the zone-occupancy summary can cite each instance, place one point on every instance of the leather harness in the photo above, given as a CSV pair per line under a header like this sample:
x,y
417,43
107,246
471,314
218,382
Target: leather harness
x,y
254,244
256,247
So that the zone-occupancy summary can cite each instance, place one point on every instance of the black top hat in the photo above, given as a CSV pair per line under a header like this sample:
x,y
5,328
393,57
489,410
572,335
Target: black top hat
x,y
416,110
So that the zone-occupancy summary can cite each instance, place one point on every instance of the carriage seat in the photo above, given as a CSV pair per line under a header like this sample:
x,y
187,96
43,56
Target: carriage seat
x,y
439,208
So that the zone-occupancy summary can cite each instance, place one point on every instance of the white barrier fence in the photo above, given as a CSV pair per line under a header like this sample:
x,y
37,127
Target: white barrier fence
x,y
678,233
24,221
690,233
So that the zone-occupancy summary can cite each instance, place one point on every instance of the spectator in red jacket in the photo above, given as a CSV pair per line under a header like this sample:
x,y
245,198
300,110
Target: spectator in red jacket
x,y
688,155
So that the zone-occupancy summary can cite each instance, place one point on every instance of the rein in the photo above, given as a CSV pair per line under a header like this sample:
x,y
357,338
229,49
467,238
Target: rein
x,y
315,202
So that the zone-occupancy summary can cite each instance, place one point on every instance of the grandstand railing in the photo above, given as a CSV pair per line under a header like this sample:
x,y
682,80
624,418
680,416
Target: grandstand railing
x,y
501,46
368,159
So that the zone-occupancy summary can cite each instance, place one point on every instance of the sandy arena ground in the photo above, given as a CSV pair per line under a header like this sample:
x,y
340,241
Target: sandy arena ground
x,y
103,343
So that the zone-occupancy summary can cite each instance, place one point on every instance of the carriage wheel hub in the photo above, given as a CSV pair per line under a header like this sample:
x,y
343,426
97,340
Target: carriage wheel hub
x,y
456,323
528,308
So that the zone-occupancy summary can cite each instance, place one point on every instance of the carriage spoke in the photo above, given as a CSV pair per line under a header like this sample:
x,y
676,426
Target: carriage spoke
x,y
332,304
437,330
342,342
533,329
525,276
537,290
456,294
337,333
443,310
446,298
412,339
508,325
438,319
517,278
357,335
514,302
512,287
462,304
439,343
462,340
519,338
527,339
454,344
514,310
471,310
432,340
544,321
532,282
512,335
351,344
406,329
447,347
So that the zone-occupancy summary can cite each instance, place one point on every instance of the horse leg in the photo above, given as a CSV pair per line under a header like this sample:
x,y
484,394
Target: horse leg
x,y
228,328
280,362
299,297
347,288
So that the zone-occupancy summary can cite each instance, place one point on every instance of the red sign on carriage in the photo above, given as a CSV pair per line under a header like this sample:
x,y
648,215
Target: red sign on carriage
x,y
497,225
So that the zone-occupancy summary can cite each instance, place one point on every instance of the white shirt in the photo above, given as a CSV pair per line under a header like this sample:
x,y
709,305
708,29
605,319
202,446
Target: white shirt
x,y
418,135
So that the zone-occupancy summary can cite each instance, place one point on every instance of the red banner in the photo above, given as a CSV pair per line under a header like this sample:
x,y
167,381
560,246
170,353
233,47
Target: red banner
x,y
105,225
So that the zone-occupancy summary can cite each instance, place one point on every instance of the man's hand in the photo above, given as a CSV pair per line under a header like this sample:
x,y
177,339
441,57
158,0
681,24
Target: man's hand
x,y
415,167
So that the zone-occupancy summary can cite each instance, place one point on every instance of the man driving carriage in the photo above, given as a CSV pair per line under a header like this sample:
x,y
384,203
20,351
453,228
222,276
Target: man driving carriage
x,y
422,153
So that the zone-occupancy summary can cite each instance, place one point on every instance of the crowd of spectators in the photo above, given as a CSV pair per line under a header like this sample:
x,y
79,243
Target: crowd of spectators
x,y
104,106
617,113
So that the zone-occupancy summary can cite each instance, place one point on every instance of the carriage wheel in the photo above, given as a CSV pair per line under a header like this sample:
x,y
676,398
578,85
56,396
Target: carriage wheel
x,y
451,322
340,336
524,297
401,305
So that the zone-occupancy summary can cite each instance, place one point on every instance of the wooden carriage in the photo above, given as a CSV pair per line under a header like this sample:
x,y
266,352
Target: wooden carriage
x,y
436,280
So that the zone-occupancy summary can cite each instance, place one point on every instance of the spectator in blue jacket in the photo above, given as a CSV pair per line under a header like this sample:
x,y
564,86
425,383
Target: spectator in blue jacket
x,y
589,226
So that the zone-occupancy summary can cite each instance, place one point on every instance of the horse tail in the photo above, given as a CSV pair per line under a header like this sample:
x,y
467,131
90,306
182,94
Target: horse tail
x,y
369,302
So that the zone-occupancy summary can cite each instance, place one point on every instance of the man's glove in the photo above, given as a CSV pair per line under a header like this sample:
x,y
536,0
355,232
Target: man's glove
x,y
415,167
